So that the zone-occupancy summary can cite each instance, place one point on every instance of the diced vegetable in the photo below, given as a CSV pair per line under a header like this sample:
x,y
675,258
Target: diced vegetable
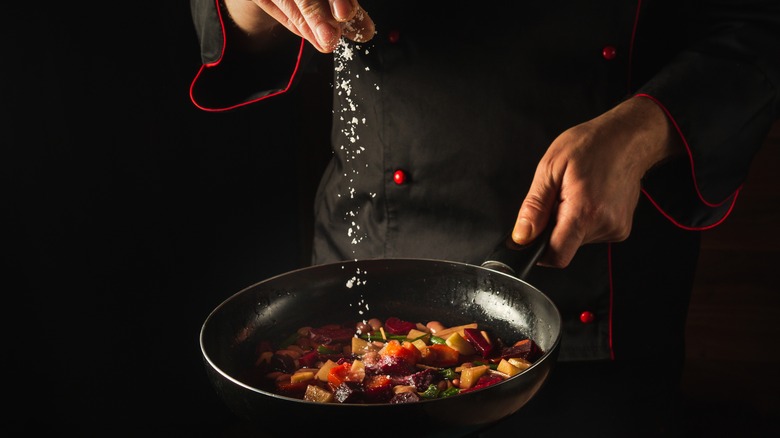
x,y
338,375
397,326
469,376
442,356
302,376
457,329
378,389
479,340
361,346
316,394
407,352
483,382
322,374
363,363
460,344
507,368
291,389
415,334
519,362
526,349
420,344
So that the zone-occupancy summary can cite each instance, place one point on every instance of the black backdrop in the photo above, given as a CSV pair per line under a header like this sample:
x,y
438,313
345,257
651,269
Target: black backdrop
x,y
128,214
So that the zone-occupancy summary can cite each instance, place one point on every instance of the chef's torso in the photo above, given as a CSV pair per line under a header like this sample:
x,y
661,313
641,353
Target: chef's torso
x,y
439,125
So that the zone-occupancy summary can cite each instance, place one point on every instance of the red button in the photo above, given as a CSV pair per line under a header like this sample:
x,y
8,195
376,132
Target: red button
x,y
587,317
394,36
609,53
399,177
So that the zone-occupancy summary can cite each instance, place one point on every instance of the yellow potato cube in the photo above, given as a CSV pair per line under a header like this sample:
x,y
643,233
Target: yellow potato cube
x,y
301,376
519,362
460,344
415,334
322,374
469,376
507,368
361,346
420,344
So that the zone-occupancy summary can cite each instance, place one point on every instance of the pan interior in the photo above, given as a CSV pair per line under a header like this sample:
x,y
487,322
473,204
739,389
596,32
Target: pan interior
x,y
411,289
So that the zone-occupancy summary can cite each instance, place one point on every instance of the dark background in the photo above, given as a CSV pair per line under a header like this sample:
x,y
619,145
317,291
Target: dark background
x,y
128,215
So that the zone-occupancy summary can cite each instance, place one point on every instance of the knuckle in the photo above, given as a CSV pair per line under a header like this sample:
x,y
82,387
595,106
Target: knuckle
x,y
309,8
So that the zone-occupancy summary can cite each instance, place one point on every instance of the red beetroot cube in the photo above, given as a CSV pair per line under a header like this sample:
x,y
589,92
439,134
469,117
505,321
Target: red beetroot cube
x,y
475,338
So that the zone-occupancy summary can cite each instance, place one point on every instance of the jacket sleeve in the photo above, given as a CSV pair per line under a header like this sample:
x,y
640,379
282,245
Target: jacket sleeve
x,y
225,81
721,93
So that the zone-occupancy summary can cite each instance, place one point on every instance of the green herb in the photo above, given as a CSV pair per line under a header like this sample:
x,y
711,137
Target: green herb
x,y
437,340
325,350
431,392
448,373
452,390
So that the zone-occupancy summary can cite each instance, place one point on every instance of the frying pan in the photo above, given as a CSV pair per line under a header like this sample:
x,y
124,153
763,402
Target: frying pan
x,y
417,290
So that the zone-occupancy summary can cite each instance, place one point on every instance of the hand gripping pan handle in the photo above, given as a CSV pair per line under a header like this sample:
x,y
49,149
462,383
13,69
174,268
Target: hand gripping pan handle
x,y
518,260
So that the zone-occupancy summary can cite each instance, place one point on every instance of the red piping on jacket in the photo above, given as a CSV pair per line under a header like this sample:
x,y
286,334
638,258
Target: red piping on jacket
x,y
216,63
631,44
685,227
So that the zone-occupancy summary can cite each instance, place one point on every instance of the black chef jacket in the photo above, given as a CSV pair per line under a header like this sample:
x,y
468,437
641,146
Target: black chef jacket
x,y
439,123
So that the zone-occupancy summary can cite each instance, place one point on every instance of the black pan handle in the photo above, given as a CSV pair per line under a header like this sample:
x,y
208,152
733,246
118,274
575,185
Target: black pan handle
x,y
518,260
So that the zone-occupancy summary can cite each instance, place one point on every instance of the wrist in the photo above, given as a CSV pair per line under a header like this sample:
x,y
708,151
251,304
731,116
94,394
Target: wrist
x,y
247,16
655,139
250,27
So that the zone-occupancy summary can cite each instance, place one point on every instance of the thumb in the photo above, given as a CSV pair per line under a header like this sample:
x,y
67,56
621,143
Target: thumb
x,y
535,212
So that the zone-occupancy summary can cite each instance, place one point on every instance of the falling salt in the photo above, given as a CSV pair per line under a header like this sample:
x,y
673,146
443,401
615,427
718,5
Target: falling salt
x,y
352,120
350,115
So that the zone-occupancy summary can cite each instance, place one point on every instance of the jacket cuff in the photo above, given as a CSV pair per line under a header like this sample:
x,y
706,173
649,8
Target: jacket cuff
x,y
224,82
673,189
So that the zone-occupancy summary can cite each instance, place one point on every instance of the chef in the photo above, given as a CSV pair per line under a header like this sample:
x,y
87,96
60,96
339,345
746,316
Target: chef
x,y
626,126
